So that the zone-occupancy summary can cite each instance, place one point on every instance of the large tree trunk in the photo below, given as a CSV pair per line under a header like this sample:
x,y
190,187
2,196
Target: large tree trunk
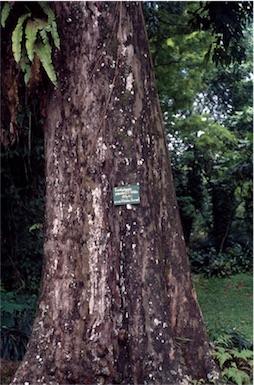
x,y
117,303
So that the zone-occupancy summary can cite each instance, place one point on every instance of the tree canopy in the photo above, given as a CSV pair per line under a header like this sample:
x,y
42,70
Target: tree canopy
x,y
203,108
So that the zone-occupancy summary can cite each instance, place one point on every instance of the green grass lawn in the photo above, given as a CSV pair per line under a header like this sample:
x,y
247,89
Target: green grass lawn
x,y
226,303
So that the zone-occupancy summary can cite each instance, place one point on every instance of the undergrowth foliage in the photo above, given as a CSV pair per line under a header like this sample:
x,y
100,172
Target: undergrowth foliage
x,y
236,259
23,202
236,364
17,316
234,356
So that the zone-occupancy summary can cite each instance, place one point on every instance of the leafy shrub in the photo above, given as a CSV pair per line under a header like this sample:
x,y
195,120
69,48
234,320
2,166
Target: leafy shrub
x,y
233,339
241,257
237,259
17,316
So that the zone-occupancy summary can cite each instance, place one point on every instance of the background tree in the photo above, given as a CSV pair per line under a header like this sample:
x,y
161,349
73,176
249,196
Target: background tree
x,y
205,156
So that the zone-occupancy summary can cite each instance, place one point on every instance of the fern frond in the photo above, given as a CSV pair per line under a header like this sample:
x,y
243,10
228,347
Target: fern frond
x,y
238,376
36,40
45,39
224,340
42,23
5,13
17,37
25,66
44,54
35,226
243,354
47,10
52,23
55,35
31,34
222,355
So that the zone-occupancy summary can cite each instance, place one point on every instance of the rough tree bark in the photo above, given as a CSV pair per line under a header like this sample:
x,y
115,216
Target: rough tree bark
x,y
117,302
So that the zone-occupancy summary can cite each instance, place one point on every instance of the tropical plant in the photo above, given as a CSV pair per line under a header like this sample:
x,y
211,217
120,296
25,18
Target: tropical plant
x,y
236,259
31,38
236,364
17,316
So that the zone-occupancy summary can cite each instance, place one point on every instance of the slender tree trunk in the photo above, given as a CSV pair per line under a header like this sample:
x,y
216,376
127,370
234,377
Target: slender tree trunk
x,y
117,303
223,213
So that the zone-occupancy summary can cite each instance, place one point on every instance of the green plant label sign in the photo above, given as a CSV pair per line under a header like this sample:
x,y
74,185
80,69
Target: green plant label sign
x,y
126,195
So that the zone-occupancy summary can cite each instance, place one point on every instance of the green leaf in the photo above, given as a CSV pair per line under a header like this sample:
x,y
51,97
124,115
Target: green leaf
x,y
222,355
31,33
17,37
10,307
45,39
42,23
243,354
238,376
47,10
55,35
5,13
32,45
35,226
44,54
52,23
224,340
25,66
170,42
183,339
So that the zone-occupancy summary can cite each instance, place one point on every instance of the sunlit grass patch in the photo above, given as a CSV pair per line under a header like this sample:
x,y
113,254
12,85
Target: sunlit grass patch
x,y
227,303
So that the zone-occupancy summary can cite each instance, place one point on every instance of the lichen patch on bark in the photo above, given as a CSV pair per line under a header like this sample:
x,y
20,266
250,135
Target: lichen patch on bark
x,y
98,271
